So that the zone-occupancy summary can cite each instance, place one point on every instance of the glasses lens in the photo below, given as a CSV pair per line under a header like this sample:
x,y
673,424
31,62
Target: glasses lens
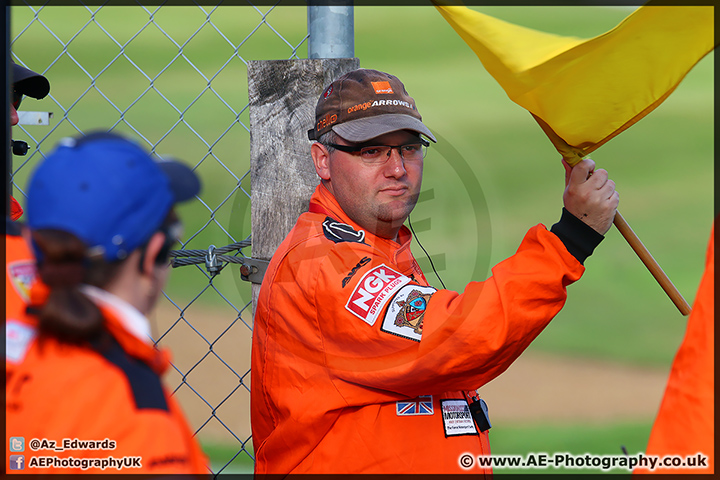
x,y
16,99
175,231
372,155
172,232
381,153
414,151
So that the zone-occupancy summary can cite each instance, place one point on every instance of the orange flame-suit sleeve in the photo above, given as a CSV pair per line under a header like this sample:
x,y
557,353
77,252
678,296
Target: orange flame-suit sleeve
x,y
684,425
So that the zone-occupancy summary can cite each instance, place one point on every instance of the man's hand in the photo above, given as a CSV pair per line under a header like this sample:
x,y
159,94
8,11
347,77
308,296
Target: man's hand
x,y
590,195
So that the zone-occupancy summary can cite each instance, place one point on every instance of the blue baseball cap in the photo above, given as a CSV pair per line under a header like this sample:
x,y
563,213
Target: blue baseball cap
x,y
108,191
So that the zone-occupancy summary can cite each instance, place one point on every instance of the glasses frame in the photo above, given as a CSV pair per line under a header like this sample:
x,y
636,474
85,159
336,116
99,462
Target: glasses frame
x,y
172,233
357,149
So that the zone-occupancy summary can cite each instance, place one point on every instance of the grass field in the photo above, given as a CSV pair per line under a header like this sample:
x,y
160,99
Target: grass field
x,y
663,166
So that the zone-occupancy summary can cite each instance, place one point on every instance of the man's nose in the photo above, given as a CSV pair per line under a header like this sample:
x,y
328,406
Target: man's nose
x,y
14,119
395,165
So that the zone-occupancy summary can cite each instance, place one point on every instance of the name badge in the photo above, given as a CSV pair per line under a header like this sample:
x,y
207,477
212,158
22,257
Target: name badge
x,y
457,418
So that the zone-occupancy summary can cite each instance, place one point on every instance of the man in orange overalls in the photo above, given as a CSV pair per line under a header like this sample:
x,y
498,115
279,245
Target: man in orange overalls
x,y
358,364
19,262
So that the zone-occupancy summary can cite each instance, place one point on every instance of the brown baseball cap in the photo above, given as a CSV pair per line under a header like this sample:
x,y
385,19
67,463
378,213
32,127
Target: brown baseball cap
x,y
364,104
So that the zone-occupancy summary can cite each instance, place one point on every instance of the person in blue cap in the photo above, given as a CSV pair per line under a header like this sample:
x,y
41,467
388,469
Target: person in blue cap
x,y
82,370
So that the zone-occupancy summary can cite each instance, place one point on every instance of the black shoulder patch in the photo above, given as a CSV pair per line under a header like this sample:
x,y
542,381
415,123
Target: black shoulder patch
x,y
145,384
341,232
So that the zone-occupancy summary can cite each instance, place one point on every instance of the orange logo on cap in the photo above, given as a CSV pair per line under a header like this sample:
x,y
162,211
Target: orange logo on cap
x,y
382,87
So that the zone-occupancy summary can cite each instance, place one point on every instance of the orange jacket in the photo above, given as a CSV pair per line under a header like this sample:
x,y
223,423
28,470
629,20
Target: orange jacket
x,y
359,367
20,271
111,395
685,423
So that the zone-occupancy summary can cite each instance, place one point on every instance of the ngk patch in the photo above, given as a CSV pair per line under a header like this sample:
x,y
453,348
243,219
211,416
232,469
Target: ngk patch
x,y
373,291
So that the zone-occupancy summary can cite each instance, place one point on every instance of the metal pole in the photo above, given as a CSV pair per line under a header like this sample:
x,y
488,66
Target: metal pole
x,y
6,84
331,29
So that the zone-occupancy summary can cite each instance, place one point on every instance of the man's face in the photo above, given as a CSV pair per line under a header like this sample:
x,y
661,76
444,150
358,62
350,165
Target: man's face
x,y
16,98
13,115
379,198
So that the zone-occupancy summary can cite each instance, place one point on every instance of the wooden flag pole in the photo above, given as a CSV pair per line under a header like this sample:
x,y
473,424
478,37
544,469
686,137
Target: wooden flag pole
x,y
657,272
572,156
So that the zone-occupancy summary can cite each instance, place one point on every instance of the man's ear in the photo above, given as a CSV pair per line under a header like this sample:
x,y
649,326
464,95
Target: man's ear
x,y
152,250
321,159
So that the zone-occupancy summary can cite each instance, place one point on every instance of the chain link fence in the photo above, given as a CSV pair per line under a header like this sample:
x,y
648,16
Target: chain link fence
x,y
173,77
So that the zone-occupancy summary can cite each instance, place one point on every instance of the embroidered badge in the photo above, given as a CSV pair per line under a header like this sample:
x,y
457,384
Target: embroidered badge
x,y
457,418
341,232
422,405
406,312
22,276
373,291
17,340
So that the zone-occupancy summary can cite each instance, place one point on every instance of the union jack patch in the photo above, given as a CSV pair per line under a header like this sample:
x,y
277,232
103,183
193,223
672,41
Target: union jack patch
x,y
422,405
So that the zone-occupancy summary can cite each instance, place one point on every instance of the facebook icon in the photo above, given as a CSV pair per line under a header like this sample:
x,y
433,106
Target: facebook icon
x,y
17,462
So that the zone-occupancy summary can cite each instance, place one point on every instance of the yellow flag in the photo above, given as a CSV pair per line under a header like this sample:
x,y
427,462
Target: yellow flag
x,y
586,91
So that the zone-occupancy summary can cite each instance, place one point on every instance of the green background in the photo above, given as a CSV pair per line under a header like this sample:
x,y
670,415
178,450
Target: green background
x,y
663,166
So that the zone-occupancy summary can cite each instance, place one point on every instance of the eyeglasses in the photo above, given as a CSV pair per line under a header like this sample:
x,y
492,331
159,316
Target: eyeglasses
x,y
16,99
172,233
379,154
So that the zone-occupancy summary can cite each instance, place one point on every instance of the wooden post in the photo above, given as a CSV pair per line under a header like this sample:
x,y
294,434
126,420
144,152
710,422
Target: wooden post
x,y
282,96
